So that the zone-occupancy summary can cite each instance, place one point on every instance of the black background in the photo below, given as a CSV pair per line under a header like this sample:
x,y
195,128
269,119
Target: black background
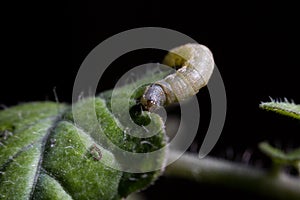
x,y
255,47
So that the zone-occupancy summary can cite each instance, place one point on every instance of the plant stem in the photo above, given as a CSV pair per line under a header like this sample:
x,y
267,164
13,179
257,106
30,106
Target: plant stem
x,y
229,174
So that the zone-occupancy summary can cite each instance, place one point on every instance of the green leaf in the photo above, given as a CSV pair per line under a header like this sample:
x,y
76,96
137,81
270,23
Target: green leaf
x,y
284,108
279,155
44,154
291,158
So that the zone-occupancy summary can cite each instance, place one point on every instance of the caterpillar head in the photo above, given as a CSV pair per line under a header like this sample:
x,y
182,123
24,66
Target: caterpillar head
x,y
153,97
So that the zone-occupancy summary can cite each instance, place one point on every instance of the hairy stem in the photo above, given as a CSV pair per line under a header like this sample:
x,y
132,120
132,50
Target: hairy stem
x,y
213,171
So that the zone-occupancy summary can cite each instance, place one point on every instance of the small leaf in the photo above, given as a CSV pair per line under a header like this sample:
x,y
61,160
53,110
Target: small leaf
x,y
284,108
295,154
279,156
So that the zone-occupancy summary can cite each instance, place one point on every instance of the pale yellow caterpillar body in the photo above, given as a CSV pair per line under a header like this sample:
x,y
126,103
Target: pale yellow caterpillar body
x,y
195,63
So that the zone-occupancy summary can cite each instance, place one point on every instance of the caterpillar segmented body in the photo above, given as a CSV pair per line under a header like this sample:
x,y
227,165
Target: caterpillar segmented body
x,y
196,66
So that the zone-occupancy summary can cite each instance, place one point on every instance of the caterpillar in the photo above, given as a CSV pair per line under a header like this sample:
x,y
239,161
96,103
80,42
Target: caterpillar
x,y
195,63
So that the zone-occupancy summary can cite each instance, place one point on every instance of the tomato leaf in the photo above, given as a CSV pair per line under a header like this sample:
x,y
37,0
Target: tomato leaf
x,y
44,154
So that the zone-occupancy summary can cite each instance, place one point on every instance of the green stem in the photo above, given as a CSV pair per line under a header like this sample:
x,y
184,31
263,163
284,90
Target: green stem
x,y
213,171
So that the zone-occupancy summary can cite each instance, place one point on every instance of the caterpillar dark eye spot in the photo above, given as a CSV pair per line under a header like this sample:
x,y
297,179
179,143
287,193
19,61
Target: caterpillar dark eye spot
x,y
196,66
